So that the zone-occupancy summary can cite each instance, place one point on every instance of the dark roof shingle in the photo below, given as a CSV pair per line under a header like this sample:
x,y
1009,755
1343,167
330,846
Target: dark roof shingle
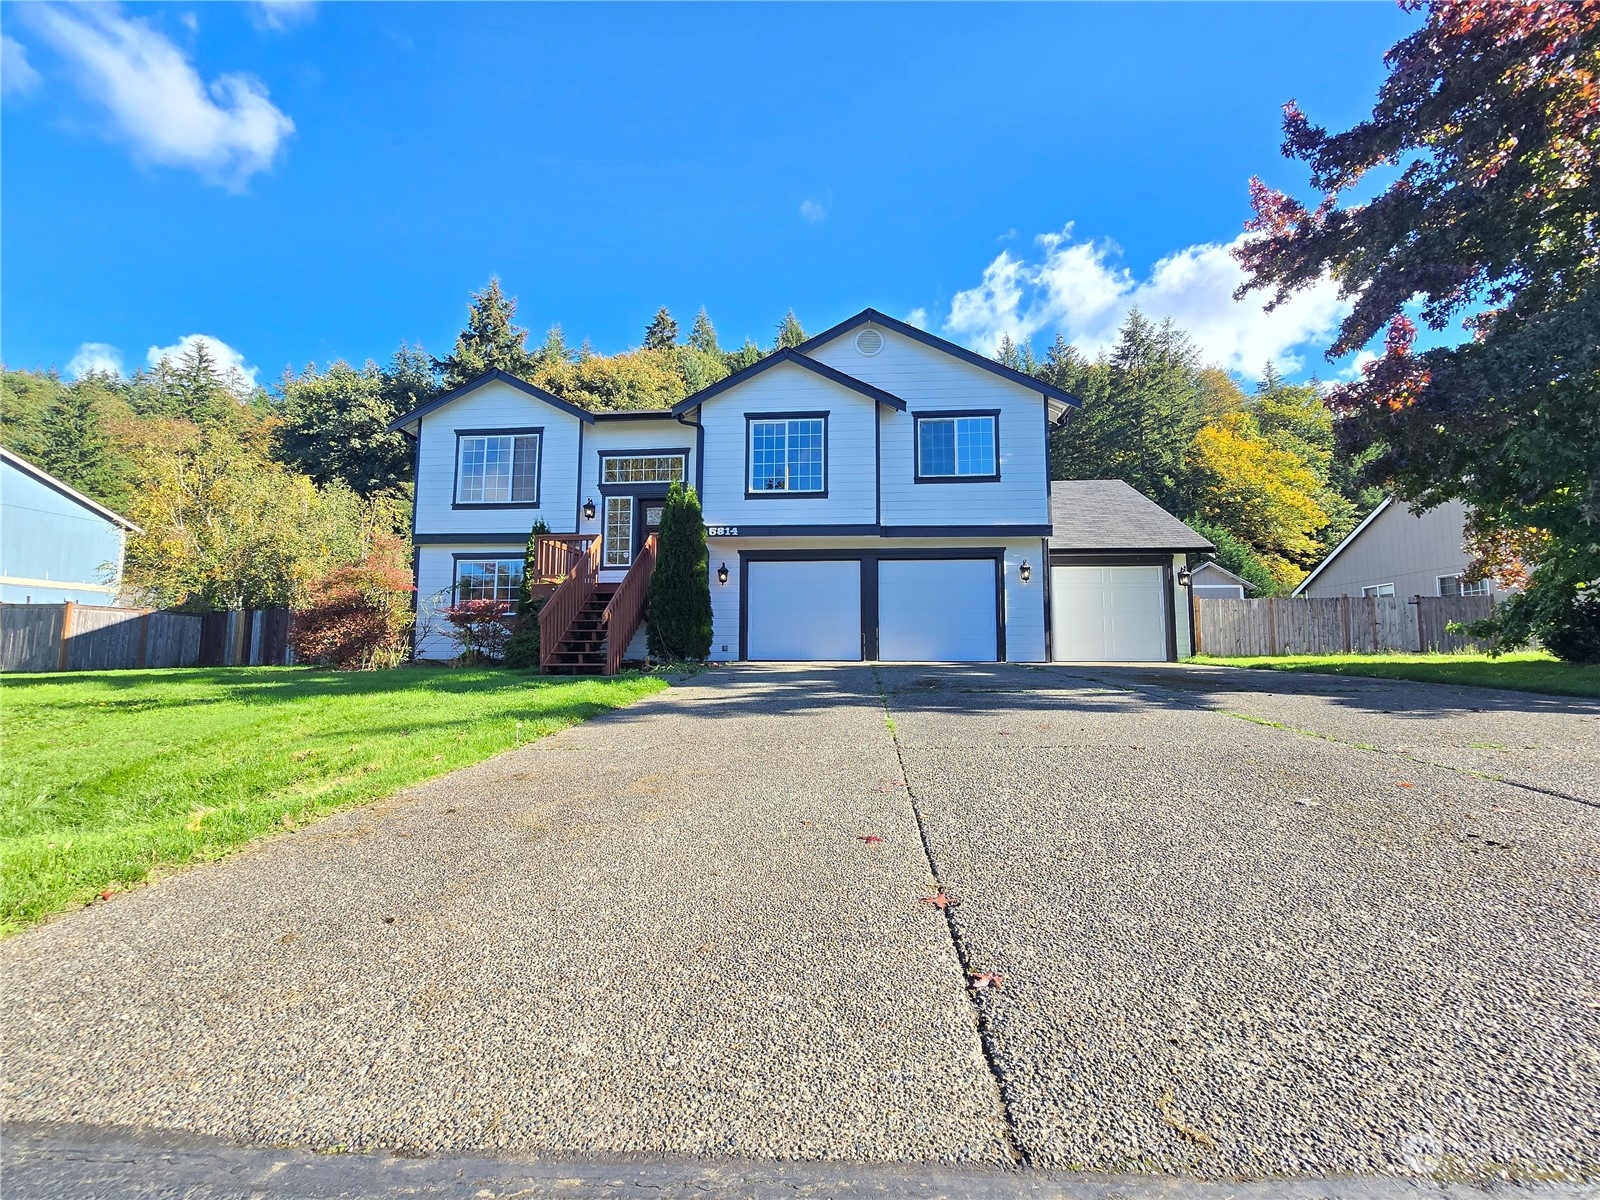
x,y
1108,515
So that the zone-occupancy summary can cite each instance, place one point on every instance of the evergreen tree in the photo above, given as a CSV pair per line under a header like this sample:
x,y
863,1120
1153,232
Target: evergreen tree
x,y
335,428
1017,357
409,381
489,341
75,448
662,332
703,337
1236,555
679,612
522,647
746,355
555,351
790,334
204,398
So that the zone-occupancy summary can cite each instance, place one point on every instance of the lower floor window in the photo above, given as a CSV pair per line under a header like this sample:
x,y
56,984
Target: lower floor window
x,y
619,531
488,579
1378,589
1454,585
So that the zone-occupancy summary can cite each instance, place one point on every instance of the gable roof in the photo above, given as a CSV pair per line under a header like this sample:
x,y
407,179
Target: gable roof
x,y
789,355
493,375
1109,516
1217,568
871,316
1339,549
71,493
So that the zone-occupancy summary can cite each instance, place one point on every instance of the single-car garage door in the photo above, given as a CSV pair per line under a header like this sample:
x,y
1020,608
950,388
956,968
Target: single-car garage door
x,y
803,611
937,610
1108,614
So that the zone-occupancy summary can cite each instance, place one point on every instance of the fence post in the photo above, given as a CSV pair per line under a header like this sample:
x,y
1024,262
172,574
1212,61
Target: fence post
x,y
1422,642
144,638
1272,626
1194,621
67,609
1344,619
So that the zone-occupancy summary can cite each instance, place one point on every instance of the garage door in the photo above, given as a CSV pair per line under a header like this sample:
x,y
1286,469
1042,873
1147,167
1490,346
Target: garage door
x,y
1108,614
937,610
803,611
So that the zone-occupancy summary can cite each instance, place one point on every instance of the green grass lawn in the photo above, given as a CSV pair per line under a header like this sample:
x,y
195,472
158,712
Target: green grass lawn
x,y
1533,671
110,777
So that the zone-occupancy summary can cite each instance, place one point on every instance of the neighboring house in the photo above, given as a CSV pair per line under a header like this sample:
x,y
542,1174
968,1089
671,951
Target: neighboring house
x,y
1212,581
1116,575
55,543
877,493
1396,552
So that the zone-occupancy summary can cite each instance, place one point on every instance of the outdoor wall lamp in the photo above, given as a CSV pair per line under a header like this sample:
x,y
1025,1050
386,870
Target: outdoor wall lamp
x,y
1184,576
588,510
1025,572
722,574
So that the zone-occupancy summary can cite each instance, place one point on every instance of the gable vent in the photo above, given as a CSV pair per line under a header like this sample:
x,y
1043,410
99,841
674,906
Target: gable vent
x,y
869,342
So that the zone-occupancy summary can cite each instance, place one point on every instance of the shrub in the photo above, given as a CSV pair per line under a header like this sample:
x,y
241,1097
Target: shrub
x,y
481,628
522,648
355,617
678,614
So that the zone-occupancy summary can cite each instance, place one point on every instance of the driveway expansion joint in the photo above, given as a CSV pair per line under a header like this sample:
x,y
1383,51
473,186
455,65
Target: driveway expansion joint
x,y
1014,1147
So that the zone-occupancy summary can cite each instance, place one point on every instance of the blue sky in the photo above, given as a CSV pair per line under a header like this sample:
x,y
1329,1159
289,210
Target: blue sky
x,y
308,182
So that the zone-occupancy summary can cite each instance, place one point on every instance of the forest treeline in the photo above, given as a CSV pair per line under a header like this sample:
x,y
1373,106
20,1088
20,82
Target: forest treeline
x,y
248,495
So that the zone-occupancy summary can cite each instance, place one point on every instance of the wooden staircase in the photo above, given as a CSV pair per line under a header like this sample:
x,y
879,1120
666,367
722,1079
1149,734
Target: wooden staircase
x,y
582,651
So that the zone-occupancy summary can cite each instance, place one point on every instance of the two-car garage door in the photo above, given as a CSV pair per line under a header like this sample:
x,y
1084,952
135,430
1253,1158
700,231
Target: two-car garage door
x,y
927,609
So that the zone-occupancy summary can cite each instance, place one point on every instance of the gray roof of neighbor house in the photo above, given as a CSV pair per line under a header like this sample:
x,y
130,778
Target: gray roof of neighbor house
x,y
1107,515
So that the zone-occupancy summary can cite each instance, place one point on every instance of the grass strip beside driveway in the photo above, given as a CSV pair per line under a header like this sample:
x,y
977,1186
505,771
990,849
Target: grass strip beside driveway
x,y
1531,671
111,777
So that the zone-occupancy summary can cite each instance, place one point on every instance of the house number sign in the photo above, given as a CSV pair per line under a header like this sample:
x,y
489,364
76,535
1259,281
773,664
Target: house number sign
x,y
722,531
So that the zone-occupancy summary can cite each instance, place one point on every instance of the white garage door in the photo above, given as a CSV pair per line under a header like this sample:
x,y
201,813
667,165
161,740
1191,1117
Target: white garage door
x,y
1108,614
937,610
803,611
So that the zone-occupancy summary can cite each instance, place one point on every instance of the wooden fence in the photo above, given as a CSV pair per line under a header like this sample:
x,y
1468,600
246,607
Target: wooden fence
x,y
1336,625
84,637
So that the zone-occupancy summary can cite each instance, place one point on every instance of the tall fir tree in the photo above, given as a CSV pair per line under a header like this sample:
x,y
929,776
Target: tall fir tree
x,y
703,335
746,355
75,448
489,341
790,333
662,332
679,605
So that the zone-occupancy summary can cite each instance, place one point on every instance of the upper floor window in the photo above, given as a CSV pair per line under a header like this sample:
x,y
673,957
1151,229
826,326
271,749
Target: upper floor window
x,y
497,579
958,446
498,467
789,454
641,468
1454,585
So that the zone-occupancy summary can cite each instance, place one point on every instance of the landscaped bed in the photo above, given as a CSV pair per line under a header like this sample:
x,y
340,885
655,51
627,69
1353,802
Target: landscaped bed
x,y
111,777
1532,671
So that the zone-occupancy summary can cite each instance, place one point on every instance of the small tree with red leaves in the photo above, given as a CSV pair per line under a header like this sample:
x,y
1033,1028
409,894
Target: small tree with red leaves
x,y
355,617
481,628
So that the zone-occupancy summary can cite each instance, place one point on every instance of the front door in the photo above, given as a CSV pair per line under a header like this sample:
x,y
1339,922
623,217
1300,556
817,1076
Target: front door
x,y
649,511
629,520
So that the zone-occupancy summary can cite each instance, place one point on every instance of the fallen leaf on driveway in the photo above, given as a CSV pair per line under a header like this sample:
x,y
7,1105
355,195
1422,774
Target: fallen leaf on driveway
x,y
1167,1106
1403,783
870,839
941,901
987,979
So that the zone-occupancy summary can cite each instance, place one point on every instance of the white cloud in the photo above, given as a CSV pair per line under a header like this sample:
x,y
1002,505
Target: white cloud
x,y
281,15
812,211
918,317
95,356
1080,290
226,130
227,359
17,76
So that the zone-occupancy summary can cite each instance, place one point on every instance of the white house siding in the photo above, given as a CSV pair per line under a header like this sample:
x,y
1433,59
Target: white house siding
x,y
1182,615
1024,602
435,579
1408,550
930,380
497,405
851,468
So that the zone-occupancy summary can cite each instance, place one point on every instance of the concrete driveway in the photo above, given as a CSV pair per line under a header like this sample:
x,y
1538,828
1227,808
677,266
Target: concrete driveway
x,y
1250,926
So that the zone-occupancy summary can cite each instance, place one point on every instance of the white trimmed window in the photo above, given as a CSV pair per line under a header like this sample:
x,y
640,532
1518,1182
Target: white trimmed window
x,y
497,468
789,455
641,468
1453,585
958,447
488,579
1378,589
619,531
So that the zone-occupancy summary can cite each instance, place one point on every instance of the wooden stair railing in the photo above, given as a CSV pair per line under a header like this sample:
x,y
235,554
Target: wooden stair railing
x,y
558,613
555,554
626,610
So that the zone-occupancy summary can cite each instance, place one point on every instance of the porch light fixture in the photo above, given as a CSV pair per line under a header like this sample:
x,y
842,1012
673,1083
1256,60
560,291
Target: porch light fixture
x,y
1025,572
1184,576
588,510
722,574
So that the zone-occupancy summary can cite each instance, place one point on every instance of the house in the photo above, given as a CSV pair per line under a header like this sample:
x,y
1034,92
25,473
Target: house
x,y
1398,552
1117,575
56,544
877,493
1213,581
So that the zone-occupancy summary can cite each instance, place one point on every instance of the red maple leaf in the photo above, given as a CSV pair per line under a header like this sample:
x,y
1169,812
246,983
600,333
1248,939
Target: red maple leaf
x,y
1404,784
987,979
107,894
870,839
941,901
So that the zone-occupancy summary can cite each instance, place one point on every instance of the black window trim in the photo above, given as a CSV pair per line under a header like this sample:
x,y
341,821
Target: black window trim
x,y
749,419
950,414
641,489
538,469
479,556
